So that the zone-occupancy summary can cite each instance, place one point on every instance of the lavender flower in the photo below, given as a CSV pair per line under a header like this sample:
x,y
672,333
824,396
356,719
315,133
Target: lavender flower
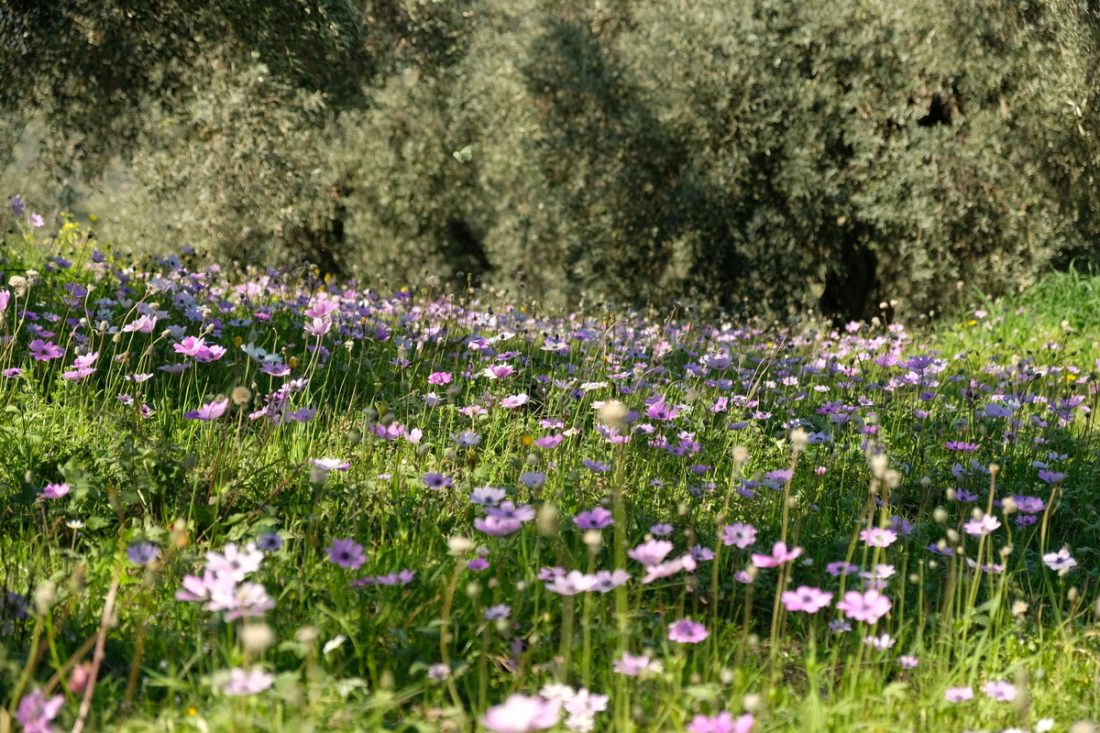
x,y
269,542
878,537
437,481
739,534
721,723
780,556
1061,562
597,518
55,491
346,553
958,694
686,631
651,553
35,712
636,666
981,526
209,411
247,682
868,606
522,714
806,599
1000,691
142,553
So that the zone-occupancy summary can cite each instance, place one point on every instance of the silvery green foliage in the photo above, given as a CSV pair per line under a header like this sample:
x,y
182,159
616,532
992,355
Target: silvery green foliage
x,y
240,172
759,156
833,153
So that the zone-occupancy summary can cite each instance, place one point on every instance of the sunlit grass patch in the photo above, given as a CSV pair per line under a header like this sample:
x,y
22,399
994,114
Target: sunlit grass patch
x,y
263,502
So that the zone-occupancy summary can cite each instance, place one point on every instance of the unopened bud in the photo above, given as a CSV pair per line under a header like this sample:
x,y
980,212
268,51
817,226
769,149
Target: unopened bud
x,y
799,440
459,545
78,678
240,396
612,413
878,464
255,638
44,597
547,520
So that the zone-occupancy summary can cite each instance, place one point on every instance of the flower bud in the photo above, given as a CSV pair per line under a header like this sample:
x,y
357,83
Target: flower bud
x,y
547,520
78,678
256,638
44,597
878,464
612,413
459,545
799,440
240,395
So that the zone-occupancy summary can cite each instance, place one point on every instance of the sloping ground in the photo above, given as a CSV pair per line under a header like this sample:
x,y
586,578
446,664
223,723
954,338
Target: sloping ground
x,y
313,507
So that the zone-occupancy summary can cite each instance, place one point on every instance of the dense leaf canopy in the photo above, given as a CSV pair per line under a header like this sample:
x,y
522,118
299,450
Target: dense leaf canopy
x,y
757,157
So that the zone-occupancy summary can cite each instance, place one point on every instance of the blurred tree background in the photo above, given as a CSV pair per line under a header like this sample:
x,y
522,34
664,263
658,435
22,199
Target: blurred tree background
x,y
759,156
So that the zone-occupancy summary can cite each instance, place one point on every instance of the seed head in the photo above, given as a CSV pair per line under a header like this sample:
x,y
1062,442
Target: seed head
x,y
255,638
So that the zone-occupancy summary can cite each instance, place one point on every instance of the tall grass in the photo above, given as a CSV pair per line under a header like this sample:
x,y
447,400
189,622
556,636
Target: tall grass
x,y
404,503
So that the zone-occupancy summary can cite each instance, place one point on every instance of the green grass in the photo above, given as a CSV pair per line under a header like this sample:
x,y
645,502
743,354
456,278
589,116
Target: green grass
x,y
357,658
1060,313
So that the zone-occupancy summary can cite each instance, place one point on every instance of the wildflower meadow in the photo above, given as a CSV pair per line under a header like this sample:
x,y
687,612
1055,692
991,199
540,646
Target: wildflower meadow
x,y
263,501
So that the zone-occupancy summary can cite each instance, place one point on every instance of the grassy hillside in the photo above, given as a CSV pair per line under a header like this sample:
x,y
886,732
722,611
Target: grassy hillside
x,y
263,502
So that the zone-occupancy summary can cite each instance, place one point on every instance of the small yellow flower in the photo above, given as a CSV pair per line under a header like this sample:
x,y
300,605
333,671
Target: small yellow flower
x,y
192,711
1071,377
526,441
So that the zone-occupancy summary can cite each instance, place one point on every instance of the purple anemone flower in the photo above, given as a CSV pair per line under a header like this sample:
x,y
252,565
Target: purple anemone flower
x,y
348,554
